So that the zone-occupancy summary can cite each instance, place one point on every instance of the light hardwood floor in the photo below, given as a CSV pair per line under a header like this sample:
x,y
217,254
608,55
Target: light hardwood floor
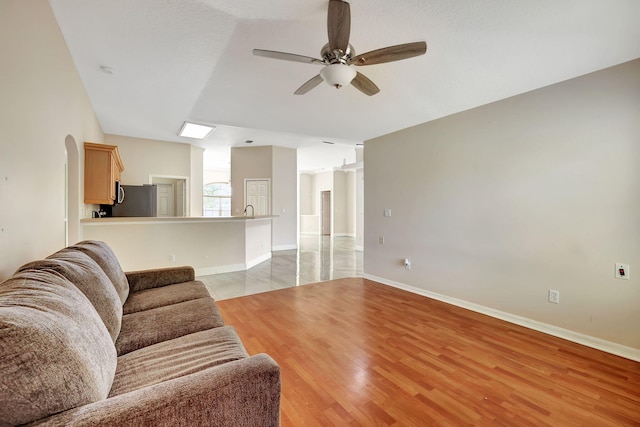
x,y
355,352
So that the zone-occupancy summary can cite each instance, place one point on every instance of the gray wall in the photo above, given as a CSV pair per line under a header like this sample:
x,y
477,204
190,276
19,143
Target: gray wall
x,y
145,157
280,166
344,197
284,197
342,185
499,204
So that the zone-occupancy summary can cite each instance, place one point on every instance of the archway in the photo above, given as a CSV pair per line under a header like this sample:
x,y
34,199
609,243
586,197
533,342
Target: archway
x,y
72,191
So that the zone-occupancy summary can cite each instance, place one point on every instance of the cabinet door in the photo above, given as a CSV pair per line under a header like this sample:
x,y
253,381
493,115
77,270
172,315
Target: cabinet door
x,y
102,168
97,179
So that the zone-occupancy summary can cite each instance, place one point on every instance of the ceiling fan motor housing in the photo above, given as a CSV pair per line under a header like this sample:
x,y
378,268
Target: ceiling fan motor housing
x,y
337,56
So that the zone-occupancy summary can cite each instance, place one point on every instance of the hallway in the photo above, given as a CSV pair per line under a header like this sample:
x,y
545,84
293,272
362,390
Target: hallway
x,y
318,258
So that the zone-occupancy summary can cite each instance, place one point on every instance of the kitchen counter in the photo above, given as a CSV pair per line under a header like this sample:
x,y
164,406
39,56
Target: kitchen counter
x,y
209,244
182,219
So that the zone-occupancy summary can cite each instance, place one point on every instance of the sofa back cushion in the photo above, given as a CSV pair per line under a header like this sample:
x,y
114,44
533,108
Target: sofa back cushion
x,y
86,274
55,352
101,253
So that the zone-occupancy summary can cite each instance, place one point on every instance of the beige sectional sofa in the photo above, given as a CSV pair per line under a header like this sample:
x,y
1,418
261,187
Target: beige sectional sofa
x,y
84,343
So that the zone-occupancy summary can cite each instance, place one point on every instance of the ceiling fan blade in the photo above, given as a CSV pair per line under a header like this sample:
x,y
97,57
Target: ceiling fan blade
x,y
391,53
364,85
286,56
310,84
339,25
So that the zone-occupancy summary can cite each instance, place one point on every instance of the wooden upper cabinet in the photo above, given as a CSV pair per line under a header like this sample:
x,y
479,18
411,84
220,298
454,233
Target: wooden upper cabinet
x,y
102,168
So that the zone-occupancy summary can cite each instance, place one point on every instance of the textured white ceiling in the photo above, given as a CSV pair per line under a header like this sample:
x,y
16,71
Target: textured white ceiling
x,y
177,60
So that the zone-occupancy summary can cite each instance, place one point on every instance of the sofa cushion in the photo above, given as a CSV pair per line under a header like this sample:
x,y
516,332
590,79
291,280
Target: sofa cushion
x,y
101,253
158,277
87,275
149,327
165,295
55,351
176,358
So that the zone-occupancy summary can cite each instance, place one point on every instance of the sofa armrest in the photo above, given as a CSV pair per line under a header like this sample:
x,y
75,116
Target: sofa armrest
x,y
155,278
245,392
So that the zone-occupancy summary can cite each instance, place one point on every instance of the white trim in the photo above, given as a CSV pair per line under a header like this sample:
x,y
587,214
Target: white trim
x,y
284,248
205,271
167,220
230,268
256,261
220,269
576,337
187,189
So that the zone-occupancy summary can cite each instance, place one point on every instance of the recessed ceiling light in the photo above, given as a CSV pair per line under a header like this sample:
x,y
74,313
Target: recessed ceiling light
x,y
248,141
329,142
360,145
194,130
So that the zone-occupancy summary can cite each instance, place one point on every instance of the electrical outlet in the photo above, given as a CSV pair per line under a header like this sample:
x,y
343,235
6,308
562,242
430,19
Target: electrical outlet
x,y
172,258
381,240
387,212
554,296
622,271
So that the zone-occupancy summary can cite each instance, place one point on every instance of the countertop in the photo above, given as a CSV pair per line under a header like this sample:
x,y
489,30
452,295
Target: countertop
x,y
173,219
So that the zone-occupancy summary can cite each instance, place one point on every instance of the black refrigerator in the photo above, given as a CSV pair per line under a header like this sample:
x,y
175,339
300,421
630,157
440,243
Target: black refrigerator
x,y
139,200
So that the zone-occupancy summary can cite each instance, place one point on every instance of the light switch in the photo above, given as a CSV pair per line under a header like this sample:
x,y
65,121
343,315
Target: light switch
x,y
387,212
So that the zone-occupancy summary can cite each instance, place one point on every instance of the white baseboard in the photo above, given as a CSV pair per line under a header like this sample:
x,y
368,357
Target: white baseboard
x,y
258,260
205,271
284,248
587,340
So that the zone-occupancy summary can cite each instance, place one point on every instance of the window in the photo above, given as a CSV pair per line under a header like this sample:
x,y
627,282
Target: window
x,y
217,199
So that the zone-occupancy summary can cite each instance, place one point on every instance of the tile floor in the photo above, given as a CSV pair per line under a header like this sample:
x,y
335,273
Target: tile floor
x,y
318,258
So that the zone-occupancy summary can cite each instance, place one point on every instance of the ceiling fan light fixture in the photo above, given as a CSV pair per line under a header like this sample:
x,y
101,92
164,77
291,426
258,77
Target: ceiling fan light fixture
x,y
338,75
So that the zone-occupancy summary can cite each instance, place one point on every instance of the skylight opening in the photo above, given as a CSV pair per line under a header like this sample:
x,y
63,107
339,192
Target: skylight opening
x,y
195,131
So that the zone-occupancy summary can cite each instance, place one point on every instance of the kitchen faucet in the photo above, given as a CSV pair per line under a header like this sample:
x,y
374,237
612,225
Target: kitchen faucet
x,y
253,212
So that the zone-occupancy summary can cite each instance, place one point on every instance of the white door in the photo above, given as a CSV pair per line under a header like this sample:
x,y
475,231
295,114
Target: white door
x,y
257,194
166,206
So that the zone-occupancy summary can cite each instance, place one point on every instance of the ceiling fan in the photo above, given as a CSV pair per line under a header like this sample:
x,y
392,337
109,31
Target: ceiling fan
x,y
338,56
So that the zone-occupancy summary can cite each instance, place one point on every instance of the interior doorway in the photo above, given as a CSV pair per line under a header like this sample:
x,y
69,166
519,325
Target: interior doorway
x,y
73,231
171,196
325,197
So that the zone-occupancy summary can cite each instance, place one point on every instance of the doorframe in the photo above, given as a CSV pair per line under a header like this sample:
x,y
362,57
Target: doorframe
x,y
187,191
246,180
